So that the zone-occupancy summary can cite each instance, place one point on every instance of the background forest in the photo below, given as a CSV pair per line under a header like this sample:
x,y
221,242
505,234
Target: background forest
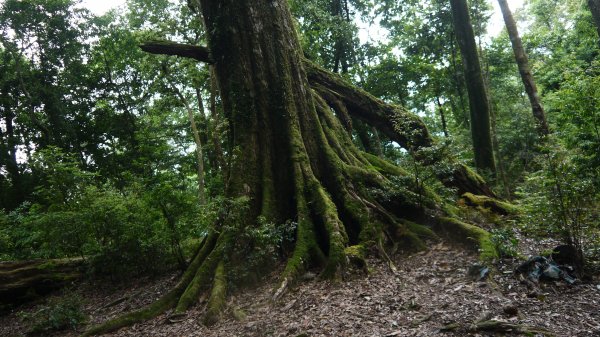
x,y
119,157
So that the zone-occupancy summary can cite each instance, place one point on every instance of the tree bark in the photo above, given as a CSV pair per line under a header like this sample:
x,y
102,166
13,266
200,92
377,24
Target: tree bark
x,y
595,9
478,98
525,70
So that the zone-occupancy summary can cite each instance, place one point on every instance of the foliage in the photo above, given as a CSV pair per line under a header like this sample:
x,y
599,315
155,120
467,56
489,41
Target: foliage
x,y
259,246
59,313
505,241
561,199
122,232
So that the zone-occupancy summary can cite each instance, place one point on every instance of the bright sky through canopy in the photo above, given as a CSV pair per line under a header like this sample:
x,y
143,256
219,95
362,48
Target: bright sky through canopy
x,y
100,7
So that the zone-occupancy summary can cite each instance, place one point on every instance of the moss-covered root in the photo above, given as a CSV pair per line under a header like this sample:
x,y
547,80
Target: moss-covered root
x,y
200,281
470,235
166,302
357,256
494,205
131,318
493,326
327,214
216,303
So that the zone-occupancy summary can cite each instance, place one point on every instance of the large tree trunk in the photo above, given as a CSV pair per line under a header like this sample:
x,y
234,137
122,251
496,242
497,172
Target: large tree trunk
x,y
595,9
292,159
478,98
525,70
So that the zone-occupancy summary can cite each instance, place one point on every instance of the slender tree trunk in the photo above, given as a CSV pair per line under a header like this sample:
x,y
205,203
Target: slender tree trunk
x,y
499,161
460,112
370,142
198,141
478,99
595,9
216,124
442,117
195,134
525,70
12,165
341,46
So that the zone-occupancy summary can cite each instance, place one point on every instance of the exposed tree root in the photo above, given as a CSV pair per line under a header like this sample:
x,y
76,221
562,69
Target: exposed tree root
x,y
497,327
216,302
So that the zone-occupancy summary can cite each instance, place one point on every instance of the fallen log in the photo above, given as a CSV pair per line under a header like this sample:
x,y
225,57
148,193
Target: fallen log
x,y
22,281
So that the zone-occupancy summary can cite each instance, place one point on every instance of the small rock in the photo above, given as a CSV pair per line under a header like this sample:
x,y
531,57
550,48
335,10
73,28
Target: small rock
x,y
239,314
308,276
485,316
510,310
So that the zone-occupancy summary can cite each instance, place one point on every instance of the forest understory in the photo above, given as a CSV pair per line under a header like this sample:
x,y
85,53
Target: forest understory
x,y
431,295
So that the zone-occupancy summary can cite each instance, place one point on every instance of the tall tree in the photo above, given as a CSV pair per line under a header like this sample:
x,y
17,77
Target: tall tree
x,y
524,69
292,160
478,96
595,9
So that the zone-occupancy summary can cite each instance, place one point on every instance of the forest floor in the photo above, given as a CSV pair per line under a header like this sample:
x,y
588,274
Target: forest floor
x,y
431,290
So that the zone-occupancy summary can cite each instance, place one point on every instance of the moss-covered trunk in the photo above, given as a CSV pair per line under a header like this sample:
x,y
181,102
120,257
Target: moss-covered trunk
x,y
292,159
265,96
478,98
595,9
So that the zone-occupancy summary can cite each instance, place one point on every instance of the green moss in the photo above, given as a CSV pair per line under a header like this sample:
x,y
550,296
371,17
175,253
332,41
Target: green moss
x,y
420,230
357,255
472,175
325,208
239,314
216,302
131,318
492,204
48,265
356,250
409,240
201,279
384,166
470,235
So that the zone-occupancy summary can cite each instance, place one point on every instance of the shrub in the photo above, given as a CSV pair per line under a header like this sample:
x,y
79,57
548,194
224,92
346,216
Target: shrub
x,y
561,199
122,232
505,241
59,313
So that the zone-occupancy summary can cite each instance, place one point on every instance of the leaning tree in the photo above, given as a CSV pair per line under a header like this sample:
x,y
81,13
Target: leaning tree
x,y
292,158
